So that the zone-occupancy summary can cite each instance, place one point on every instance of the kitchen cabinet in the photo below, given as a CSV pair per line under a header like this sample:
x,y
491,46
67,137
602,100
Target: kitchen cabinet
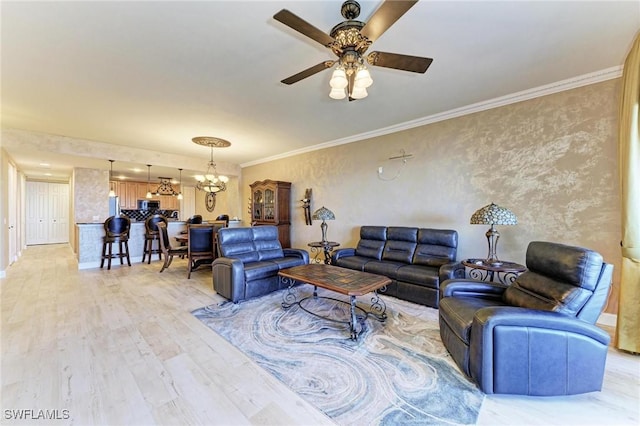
x,y
270,205
130,192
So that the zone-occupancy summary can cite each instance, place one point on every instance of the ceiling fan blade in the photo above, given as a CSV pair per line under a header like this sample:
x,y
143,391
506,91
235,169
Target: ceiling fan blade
x,y
399,62
308,72
385,16
303,27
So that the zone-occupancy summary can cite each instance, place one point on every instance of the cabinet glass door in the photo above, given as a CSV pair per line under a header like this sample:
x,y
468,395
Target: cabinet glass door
x,y
269,204
257,205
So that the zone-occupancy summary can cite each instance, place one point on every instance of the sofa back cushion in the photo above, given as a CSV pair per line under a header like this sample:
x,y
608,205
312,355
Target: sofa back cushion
x,y
435,247
267,243
401,244
237,243
372,239
560,278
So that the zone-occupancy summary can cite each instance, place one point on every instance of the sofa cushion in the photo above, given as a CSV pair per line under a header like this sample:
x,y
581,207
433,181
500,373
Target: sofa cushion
x,y
237,243
426,276
435,247
386,268
257,270
353,262
400,245
268,249
288,262
372,239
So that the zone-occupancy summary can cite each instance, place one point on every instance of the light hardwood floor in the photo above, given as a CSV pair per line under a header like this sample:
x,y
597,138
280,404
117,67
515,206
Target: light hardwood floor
x,y
120,347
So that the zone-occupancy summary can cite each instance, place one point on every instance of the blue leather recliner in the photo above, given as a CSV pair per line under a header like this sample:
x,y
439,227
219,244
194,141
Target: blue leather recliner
x,y
537,336
249,262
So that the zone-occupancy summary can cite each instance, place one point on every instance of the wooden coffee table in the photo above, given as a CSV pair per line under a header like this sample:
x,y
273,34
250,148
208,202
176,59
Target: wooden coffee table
x,y
340,280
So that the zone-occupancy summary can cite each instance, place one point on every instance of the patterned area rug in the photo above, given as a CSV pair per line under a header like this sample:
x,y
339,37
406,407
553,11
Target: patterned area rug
x,y
398,372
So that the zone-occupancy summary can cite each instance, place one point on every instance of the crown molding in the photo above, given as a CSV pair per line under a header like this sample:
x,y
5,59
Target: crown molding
x,y
548,89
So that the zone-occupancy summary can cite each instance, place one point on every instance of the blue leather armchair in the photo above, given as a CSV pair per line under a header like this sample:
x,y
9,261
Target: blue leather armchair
x,y
536,336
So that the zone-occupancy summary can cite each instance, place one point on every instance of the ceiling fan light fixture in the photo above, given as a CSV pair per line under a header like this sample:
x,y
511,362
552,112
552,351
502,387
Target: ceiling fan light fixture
x,y
337,93
338,79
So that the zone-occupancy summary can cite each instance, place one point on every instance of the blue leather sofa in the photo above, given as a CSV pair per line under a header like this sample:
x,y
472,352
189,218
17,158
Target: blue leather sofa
x,y
249,261
536,336
416,259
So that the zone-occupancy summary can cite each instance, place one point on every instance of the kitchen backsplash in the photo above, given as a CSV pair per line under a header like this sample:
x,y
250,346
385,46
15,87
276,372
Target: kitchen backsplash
x,y
142,215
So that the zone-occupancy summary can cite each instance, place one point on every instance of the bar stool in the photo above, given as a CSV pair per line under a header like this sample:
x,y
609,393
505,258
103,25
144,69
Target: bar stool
x,y
116,230
152,234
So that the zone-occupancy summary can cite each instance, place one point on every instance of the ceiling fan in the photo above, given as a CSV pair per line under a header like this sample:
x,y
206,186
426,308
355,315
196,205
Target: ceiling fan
x,y
349,40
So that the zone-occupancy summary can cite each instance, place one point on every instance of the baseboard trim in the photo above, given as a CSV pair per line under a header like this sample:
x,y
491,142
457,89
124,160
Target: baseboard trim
x,y
610,320
96,263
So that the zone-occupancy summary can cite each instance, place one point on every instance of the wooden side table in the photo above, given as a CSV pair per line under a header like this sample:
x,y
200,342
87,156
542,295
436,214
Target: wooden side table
x,y
322,247
506,272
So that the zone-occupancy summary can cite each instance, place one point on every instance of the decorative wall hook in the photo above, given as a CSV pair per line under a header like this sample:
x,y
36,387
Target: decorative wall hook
x,y
403,157
306,205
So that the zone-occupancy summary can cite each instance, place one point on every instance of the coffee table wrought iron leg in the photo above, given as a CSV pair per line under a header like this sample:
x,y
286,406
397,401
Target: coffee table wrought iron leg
x,y
354,320
289,298
378,307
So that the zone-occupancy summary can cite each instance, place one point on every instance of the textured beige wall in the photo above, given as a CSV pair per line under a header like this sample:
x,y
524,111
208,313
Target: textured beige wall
x,y
551,160
90,195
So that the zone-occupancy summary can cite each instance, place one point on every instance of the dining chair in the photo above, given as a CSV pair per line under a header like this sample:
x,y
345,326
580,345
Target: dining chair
x,y
165,246
200,246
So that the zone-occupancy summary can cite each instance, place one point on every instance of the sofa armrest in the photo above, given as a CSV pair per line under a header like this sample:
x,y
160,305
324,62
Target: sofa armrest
x,y
451,270
299,253
472,288
228,278
343,252
531,352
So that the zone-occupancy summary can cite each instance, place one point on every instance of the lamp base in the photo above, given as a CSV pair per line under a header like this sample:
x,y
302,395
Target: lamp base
x,y
492,240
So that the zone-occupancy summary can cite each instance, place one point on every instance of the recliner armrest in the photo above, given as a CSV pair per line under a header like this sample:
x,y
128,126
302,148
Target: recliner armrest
x,y
343,252
512,316
228,278
472,288
293,252
451,270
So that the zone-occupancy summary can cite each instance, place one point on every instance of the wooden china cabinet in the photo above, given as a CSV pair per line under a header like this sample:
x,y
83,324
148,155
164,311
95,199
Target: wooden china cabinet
x,y
270,205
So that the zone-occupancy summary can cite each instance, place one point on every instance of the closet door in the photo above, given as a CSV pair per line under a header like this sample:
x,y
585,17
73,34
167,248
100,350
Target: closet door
x,y
47,213
58,213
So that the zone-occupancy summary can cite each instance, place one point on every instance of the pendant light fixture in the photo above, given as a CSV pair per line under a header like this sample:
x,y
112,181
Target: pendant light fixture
x,y
180,183
211,181
112,192
149,180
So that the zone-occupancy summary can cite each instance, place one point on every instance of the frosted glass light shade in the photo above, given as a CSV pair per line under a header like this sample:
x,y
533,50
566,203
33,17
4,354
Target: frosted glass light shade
x,y
359,93
363,79
338,79
337,93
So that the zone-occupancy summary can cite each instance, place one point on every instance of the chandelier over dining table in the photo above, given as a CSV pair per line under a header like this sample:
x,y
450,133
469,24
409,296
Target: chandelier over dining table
x,y
211,181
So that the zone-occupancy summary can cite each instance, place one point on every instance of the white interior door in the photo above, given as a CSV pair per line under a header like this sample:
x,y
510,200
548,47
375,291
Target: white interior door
x,y
58,213
13,216
47,213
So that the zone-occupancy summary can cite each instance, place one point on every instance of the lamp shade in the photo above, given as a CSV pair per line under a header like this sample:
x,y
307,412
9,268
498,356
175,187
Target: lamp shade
x,y
363,78
359,93
337,94
492,214
338,79
323,213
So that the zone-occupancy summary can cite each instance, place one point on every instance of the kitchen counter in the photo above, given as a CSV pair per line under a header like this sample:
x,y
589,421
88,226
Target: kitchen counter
x,y
89,242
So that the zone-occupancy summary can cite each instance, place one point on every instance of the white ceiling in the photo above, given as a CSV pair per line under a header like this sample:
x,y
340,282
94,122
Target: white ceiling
x,y
152,75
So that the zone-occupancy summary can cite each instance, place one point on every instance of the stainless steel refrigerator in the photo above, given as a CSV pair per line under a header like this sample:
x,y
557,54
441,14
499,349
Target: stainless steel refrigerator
x,y
114,206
